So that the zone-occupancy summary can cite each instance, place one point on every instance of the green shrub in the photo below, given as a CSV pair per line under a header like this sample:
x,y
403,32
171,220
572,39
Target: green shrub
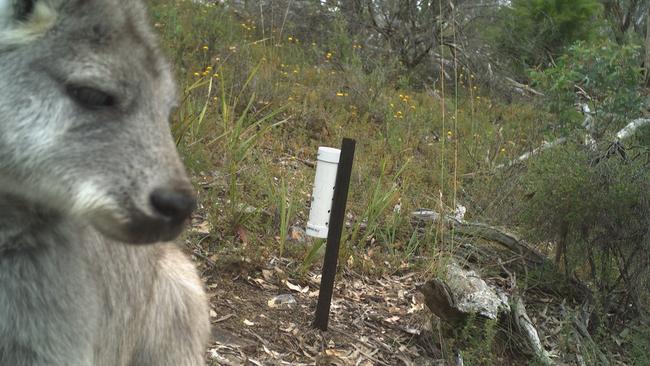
x,y
605,74
534,32
638,339
596,207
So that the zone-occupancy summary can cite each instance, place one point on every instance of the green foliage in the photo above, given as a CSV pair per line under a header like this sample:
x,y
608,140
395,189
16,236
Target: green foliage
x,y
638,339
598,205
605,74
594,204
477,340
547,279
557,180
381,199
534,32
241,131
285,206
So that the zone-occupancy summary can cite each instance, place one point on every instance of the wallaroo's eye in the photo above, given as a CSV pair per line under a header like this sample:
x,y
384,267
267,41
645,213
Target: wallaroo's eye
x,y
90,97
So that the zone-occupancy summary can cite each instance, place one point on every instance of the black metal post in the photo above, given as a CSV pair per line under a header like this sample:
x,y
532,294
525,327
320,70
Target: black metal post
x,y
336,221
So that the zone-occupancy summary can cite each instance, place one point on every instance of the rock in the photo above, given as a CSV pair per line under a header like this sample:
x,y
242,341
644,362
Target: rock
x,y
283,301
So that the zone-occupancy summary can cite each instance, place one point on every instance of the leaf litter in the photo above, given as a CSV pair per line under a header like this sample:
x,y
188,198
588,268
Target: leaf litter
x,y
372,321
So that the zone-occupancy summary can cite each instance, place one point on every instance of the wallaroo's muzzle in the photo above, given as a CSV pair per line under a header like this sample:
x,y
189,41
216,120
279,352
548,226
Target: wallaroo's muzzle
x,y
169,209
173,204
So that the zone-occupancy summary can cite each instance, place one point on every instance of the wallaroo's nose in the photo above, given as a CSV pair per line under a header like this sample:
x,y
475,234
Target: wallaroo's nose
x,y
175,204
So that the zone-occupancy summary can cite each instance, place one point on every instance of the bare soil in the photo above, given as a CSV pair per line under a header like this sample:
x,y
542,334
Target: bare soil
x,y
373,321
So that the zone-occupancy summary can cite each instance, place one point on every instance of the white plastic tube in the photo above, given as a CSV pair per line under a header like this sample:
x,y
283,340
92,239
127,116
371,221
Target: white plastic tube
x,y
321,198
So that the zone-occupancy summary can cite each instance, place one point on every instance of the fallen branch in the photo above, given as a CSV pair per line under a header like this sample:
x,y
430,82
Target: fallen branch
x,y
438,298
537,150
631,128
483,231
464,294
585,344
531,256
626,132
523,87
545,146
588,342
526,328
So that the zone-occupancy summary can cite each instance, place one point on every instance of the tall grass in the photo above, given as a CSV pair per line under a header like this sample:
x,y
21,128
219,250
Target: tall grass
x,y
251,95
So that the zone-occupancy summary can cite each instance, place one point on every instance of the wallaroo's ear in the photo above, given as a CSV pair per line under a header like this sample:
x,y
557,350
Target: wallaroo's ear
x,y
22,21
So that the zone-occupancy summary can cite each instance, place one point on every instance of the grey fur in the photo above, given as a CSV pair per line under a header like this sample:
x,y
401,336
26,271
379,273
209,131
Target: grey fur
x,y
75,193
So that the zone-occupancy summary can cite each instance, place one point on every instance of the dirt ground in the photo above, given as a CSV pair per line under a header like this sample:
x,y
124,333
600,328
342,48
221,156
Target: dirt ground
x,y
373,321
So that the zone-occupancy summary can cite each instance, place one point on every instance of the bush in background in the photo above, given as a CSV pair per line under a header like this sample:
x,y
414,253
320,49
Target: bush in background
x,y
596,207
603,74
534,32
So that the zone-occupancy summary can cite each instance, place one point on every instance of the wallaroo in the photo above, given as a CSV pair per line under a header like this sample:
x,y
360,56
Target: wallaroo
x,y
91,192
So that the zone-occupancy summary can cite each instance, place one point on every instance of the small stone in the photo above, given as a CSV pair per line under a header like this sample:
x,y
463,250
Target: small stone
x,y
283,301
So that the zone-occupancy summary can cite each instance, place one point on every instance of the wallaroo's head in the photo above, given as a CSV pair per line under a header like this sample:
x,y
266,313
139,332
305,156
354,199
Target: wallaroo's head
x,y
85,98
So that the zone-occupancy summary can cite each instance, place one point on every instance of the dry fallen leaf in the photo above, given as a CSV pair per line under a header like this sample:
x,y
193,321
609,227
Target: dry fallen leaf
x,y
202,228
267,274
392,319
296,288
